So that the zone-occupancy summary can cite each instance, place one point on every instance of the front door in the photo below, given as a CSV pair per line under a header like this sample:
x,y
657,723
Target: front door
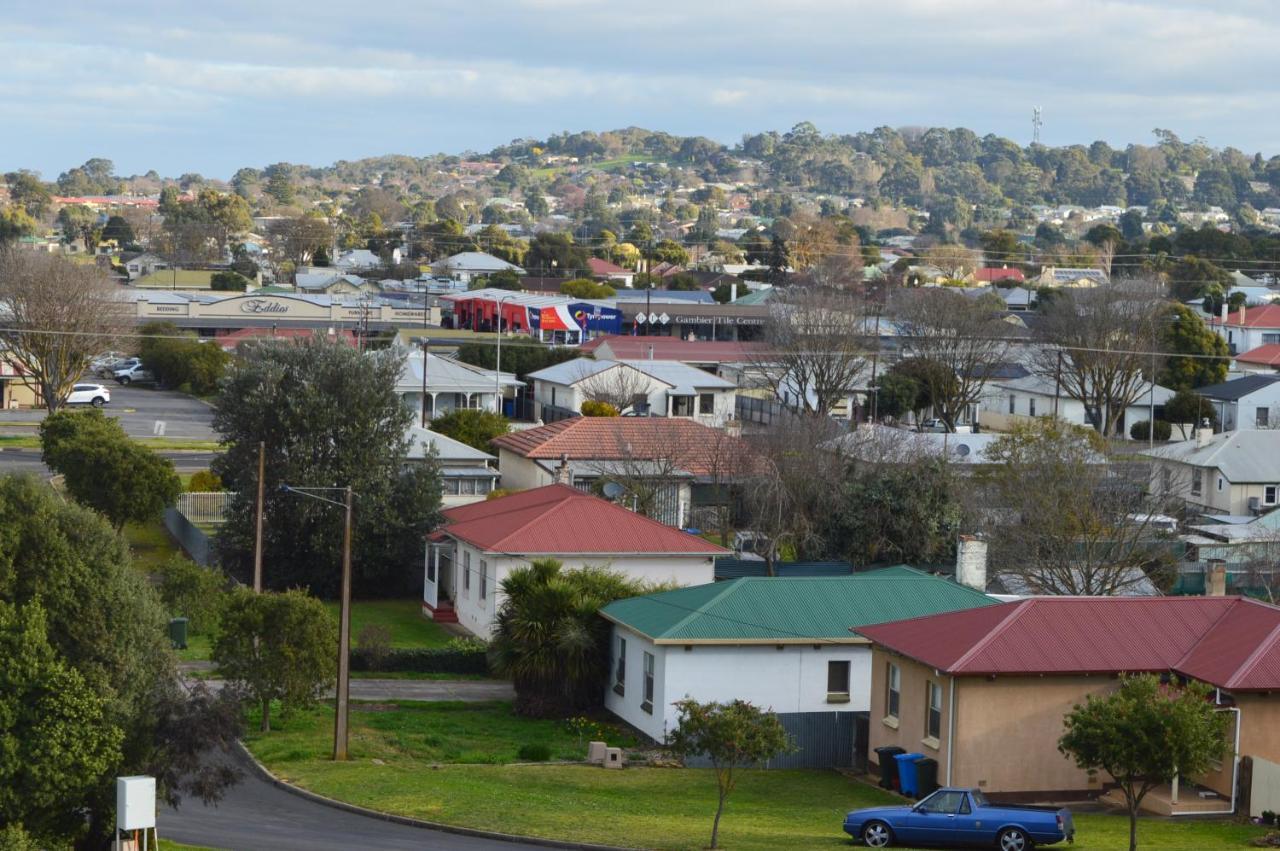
x,y
431,578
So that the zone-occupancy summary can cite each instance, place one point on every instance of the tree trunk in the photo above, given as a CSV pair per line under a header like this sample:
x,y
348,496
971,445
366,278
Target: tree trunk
x,y
715,825
266,716
1133,827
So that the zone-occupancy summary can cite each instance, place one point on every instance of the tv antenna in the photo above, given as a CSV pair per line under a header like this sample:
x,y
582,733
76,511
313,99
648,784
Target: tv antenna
x,y
1036,123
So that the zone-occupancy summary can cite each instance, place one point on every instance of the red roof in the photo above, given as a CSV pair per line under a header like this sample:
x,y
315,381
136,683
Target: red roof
x,y
1229,642
998,273
622,347
560,520
1268,355
688,445
1263,316
604,267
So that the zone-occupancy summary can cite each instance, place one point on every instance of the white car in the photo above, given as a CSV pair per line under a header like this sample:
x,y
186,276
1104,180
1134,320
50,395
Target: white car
x,y
89,394
133,373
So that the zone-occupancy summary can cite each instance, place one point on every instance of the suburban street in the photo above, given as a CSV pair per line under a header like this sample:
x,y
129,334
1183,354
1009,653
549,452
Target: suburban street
x,y
138,409
257,816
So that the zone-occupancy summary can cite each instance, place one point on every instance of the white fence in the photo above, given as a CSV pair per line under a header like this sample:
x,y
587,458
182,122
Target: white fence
x,y
205,508
1264,791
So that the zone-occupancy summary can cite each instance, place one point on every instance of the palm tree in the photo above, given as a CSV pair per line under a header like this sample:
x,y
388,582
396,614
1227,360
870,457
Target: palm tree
x,y
550,639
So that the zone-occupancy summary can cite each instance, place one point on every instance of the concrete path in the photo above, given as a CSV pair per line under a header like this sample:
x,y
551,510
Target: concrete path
x,y
425,690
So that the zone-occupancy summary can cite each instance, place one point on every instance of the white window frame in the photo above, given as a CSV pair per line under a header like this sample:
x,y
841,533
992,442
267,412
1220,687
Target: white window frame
x,y
893,691
646,698
484,579
933,691
1269,494
466,573
620,668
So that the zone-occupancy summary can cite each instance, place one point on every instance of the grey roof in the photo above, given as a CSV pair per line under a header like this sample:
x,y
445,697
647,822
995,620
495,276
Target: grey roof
x,y
681,377
476,261
1241,456
1237,388
572,371
1044,386
447,449
447,375
880,443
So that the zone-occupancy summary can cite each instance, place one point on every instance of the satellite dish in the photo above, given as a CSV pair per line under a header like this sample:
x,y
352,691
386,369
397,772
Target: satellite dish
x,y
962,449
613,490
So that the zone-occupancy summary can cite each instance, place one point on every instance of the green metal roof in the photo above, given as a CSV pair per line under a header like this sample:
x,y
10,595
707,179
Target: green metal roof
x,y
796,609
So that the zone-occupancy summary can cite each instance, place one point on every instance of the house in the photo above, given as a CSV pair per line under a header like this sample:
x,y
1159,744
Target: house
x,y
1249,402
984,691
791,634
469,265
334,283
449,384
480,544
708,355
1264,359
1248,328
359,259
880,443
1236,472
143,265
991,274
606,271
663,388
1053,276
1008,402
466,473
685,466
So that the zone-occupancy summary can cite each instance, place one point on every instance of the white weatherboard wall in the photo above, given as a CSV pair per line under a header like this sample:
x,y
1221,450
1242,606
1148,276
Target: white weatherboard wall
x,y
793,679
477,614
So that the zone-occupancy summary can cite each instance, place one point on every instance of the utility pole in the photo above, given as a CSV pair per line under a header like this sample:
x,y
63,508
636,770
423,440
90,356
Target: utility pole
x,y
344,642
1057,384
426,343
257,541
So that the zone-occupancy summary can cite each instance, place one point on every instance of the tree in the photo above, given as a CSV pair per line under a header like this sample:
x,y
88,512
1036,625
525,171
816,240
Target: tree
x,y
619,385
896,394
550,639
1000,247
954,261
330,417
182,360
1192,277
586,288
1206,353
555,254
1144,734
1064,518
104,469
518,357
228,282
472,426
60,315
119,229
592,408
280,183
300,239
732,735
14,224
28,192
818,346
1187,406
78,222
964,335
277,646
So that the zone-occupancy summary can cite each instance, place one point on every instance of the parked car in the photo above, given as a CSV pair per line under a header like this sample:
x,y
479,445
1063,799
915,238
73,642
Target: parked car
x,y
89,394
940,426
954,818
105,362
109,369
135,373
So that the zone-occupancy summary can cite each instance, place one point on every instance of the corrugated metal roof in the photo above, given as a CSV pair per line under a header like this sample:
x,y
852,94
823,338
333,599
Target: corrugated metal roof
x,y
768,609
1229,642
1242,456
560,520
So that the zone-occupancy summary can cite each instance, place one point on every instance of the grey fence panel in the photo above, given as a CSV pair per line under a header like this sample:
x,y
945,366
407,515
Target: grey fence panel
x,y
821,740
190,537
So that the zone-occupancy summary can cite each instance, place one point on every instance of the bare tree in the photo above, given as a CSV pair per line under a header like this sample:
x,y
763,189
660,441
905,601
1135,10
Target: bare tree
x,y
818,347
619,385
963,334
954,261
1063,517
58,316
297,239
1097,346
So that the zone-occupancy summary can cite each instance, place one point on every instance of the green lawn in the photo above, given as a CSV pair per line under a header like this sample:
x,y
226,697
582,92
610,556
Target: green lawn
x,y
412,732
409,627
198,649
151,544
172,444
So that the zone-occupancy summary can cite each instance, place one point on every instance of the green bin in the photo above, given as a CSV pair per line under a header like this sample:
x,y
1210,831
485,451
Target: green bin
x,y
178,633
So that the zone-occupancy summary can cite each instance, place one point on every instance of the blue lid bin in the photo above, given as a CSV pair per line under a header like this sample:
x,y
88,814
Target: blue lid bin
x,y
907,779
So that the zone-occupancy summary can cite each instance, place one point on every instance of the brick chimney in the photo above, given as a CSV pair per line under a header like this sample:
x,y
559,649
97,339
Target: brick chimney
x,y
1204,433
563,475
971,562
1215,581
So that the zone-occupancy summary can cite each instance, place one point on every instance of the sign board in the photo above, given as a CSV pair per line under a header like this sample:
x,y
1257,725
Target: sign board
x,y
135,803
653,317
664,319
641,318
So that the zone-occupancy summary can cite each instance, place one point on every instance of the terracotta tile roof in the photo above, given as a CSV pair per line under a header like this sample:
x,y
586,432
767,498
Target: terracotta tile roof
x,y
1229,642
693,447
560,520
1268,355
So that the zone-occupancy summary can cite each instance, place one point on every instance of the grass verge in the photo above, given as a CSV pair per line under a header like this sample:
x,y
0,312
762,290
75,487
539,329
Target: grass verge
x,y
151,544
404,618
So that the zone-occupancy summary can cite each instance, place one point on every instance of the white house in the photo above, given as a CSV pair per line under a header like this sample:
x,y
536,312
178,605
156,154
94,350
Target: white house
x,y
781,643
1236,472
481,543
1249,402
1005,403
466,473
662,388
143,265
450,384
1248,328
362,258
473,264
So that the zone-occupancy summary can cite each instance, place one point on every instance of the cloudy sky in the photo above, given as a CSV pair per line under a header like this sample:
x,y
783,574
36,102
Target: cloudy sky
x,y
213,86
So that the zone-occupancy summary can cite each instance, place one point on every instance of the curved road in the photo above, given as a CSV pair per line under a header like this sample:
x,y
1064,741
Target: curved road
x,y
257,816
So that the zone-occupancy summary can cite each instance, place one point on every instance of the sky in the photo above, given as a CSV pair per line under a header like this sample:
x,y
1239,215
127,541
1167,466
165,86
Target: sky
x,y
214,86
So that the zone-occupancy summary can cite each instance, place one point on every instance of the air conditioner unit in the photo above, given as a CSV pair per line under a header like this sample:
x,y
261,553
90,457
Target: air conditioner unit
x,y
1255,505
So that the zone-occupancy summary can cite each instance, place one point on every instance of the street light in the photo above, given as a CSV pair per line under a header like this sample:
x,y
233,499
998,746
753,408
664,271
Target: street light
x,y
497,370
344,621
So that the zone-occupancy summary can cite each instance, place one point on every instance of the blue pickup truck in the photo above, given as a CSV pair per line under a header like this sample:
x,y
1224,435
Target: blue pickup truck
x,y
960,817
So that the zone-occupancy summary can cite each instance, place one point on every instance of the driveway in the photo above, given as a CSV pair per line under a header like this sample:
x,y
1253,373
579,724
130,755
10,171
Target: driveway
x,y
138,409
258,816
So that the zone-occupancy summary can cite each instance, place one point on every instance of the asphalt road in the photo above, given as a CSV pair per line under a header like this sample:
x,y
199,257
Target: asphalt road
x,y
138,409
28,461
257,816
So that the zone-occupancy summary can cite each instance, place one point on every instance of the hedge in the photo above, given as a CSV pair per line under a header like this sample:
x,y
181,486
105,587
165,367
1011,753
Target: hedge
x,y
433,660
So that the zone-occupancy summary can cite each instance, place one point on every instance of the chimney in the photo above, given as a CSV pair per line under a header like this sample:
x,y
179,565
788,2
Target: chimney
x,y
1215,582
733,428
733,293
1204,433
563,476
1242,314
1223,310
971,562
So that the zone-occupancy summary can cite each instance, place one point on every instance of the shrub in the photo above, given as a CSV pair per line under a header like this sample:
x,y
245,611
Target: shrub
x,y
593,408
374,641
423,660
534,753
1139,430
193,592
498,493
467,644
205,481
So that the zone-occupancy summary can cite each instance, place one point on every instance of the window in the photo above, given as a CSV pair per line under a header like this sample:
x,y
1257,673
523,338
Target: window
x,y
893,691
620,668
484,579
553,397
1262,417
933,714
1270,339
647,703
707,403
1031,406
1013,404
1220,482
681,406
942,801
838,679
1196,487
1269,494
466,572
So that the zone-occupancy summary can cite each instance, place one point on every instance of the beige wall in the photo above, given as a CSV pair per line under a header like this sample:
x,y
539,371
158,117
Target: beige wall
x,y
519,473
1259,737
283,308
908,730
